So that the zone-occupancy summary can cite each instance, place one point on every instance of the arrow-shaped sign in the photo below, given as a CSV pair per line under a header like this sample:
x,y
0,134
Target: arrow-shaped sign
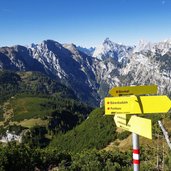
x,y
137,105
120,120
138,125
133,90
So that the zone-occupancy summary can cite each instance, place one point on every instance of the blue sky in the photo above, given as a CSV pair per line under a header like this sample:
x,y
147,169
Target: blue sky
x,y
84,22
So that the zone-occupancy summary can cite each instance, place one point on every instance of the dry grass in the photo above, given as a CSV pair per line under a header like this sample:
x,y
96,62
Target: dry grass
x,y
126,144
32,122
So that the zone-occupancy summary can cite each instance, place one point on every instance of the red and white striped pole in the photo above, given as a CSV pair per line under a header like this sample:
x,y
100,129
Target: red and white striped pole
x,y
136,152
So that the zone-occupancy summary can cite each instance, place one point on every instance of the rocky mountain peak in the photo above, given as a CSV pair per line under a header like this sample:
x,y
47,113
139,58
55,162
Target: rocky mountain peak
x,y
109,49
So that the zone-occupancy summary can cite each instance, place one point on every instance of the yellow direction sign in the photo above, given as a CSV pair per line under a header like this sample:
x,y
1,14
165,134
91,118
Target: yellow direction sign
x,y
137,105
138,125
133,90
121,120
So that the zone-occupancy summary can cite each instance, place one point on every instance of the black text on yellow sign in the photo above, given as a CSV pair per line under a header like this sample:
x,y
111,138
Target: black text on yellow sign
x,y
135,105
133,90
138,125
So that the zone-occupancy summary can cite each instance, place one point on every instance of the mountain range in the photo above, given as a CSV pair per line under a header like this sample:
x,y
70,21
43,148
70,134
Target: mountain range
x,y
90,73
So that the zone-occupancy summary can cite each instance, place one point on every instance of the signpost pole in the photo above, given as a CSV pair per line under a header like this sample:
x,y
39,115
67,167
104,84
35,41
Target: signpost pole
x,y
136,152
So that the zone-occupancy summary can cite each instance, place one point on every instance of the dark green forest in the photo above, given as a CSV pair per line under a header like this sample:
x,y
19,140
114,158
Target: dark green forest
x,y
61,132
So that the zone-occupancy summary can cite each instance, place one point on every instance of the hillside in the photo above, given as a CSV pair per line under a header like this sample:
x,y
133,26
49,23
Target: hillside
x,y
31,99
49,116
30,83
94,143
94,133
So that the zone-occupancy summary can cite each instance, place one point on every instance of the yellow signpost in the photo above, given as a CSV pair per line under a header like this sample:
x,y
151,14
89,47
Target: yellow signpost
x,y
133,90
137,105
126,107
138,125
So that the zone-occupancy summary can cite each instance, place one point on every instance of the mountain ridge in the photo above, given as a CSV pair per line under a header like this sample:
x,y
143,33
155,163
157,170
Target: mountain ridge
x,y
91,76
